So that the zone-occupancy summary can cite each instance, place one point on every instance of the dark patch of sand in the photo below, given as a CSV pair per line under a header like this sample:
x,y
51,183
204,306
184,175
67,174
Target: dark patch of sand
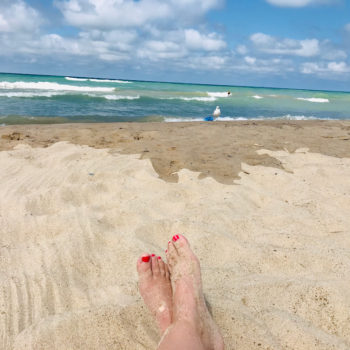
x,y
214,149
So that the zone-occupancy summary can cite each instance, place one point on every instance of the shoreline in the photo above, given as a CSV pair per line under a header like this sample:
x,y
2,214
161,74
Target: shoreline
x,y
215,149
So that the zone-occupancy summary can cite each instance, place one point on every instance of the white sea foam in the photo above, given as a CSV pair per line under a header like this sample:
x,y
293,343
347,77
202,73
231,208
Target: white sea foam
x,y
226,119
257,97
75,79
203,99
115,97
51,86
314,99
218,94
110,81
31,94
176,120
220,119
296,117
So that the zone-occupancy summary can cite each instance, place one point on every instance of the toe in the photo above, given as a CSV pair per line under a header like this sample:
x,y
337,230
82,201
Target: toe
x,y
161,266
167,272
181,244
155,266
144,266
171,255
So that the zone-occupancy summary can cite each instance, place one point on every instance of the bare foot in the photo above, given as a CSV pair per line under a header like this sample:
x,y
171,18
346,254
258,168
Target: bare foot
x,y
188,299
155,288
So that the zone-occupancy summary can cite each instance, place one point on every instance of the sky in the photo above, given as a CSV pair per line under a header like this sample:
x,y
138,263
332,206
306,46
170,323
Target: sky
x,y
276,43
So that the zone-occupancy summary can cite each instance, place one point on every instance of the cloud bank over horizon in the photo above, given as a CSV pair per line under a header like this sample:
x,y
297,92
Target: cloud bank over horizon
x,y
164,38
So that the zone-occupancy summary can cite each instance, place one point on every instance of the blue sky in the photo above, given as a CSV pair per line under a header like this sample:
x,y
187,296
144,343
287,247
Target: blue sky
x,y
281,43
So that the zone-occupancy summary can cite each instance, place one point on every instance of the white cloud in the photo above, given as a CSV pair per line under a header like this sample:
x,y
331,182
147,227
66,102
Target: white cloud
x,y
18,17
275,66
157,34
197,41
242,49
299,3
272,45
130,13
250,60
325,69
114,30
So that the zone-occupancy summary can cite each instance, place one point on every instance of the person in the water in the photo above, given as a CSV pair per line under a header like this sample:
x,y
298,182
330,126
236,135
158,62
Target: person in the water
x,y
173,293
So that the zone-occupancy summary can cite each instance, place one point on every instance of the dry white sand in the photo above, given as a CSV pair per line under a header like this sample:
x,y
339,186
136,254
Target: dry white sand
x,y
274,249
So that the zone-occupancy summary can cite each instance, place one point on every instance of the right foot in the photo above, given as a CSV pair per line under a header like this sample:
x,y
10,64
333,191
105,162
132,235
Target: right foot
x,y
188,299
155,289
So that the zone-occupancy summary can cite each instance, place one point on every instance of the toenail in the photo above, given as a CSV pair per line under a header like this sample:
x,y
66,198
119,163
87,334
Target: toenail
x,y
153,255
159,257
146,258
175,238
166,250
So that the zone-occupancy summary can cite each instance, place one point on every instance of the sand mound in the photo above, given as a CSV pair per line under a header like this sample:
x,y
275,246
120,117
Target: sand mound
x,y
73,220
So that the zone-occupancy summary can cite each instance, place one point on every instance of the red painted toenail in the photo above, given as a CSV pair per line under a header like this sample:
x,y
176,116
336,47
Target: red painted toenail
x,y
175,238
146,258
153,255
159,257
166,251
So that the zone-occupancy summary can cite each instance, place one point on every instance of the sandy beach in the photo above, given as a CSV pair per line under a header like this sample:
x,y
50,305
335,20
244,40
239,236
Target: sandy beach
x,y
265,206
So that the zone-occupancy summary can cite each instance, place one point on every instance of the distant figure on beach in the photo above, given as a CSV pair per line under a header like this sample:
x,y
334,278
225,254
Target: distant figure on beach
x,y
181,313
228,93
217,112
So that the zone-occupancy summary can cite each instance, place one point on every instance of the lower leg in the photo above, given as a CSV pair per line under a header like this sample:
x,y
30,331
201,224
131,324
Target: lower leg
x,y
181,335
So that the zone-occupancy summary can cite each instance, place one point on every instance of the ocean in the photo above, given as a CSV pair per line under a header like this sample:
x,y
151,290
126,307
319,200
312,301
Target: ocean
x,y
29,99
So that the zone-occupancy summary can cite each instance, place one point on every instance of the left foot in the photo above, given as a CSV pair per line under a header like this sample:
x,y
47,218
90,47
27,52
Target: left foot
x,y
155,289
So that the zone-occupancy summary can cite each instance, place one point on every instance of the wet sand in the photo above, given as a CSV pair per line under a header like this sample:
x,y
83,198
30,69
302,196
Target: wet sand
x,y
264,204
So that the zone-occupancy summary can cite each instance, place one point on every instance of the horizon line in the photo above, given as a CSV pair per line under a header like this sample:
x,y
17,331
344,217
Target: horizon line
x,y
174,82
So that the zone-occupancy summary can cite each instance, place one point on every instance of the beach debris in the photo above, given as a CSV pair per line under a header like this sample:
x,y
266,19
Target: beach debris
x,y
14,136
91,174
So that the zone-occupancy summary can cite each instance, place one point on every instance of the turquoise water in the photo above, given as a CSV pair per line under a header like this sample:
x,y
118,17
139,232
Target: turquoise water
x,y
55,99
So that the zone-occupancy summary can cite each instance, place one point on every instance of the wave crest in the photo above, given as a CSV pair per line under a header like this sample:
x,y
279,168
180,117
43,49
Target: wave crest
x,y
218,94
43,85
115,97
110,81
313,99
75,79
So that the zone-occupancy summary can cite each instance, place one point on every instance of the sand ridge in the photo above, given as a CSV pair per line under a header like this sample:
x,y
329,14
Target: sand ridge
x,y
74,219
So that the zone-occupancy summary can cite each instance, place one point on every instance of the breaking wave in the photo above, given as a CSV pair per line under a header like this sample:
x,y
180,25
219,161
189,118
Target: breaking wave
x,y
115,97
75,79
31,94
51,86
203,99
98,80
313,99
226,119
218,94
110,81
